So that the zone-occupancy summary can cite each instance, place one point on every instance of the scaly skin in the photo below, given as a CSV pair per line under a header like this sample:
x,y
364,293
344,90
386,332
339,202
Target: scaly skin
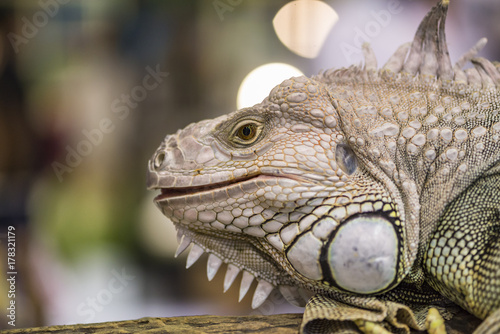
x,y
359,185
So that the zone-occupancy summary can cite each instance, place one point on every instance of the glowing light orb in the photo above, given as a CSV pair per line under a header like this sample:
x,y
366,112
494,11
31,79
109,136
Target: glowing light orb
x,y
259,82
303,26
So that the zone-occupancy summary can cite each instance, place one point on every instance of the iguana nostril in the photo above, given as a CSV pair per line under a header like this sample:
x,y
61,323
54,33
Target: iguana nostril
x,y
159,159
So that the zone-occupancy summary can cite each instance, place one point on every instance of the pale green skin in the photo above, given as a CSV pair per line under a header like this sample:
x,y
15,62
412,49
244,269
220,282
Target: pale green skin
x,y
388,147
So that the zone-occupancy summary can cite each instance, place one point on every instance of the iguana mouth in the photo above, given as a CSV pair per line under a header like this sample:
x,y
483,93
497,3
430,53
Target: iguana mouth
x,y
186,191
171,192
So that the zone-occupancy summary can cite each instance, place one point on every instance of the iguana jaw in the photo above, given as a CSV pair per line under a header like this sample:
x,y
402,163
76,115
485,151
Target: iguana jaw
x,y
237,250
228,249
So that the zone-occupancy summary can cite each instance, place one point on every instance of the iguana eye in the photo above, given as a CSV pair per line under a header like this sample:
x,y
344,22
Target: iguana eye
x,y
246,133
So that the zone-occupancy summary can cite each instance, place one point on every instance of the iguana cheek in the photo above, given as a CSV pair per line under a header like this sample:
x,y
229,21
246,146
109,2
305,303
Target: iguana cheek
x,y
363,255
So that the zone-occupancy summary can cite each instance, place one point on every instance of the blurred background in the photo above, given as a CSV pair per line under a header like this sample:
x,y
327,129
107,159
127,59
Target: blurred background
x,y
89,88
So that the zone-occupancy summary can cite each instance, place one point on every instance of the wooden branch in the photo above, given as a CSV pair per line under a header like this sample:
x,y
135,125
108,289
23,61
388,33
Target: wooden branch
x,y
281,324
462,323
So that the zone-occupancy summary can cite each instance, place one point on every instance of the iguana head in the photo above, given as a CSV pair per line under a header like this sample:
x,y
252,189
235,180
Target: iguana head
x,y
306,190
277,190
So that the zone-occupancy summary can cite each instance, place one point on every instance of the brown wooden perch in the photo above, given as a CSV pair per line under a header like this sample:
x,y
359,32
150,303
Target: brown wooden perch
x,y
462,323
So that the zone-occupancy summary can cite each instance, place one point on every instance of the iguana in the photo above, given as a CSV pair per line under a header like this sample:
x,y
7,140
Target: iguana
x,y
369,194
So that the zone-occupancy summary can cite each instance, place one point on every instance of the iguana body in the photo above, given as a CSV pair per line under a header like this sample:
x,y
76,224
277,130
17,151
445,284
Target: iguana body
x,y
377,190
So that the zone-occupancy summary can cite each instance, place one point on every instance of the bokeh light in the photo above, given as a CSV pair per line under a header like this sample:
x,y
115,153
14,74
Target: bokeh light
x,y
259,82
